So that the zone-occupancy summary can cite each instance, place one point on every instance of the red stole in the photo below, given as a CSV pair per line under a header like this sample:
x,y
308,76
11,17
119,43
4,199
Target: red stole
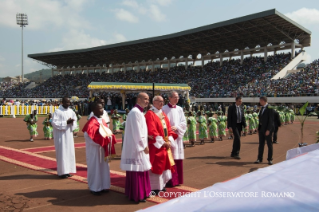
x,y
158,157
92,129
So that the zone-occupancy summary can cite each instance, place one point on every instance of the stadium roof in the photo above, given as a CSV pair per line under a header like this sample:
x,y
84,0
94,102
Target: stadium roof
x,y
248,31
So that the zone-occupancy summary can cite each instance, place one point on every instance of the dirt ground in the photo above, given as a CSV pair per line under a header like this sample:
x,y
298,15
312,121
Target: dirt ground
x,y
26,189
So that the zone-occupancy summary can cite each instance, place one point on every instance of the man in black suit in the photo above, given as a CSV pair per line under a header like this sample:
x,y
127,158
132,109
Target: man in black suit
x,y
265,130
277,124
235,122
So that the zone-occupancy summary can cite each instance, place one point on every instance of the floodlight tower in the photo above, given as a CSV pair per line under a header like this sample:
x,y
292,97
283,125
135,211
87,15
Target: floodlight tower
x,y
22,21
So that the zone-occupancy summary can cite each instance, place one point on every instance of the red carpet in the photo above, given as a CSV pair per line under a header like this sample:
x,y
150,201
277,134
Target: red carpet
x,y
51,148
48,165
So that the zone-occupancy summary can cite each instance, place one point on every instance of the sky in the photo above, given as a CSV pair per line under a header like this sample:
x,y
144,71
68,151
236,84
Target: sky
x,y
56,25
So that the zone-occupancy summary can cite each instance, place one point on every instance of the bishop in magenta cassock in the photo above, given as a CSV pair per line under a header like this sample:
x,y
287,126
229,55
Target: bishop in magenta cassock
x,y
135,153
161,138
178,124
99,142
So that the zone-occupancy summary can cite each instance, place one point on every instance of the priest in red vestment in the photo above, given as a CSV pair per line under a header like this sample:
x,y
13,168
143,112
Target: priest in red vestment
x,y
99,142
160,138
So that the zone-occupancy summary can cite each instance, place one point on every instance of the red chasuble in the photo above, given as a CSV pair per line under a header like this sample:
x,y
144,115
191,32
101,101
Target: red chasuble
x,y
158,157
92,129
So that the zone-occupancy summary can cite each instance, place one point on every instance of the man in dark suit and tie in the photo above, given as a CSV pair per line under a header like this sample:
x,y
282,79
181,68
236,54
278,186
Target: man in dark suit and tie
x,y
265,130
235,122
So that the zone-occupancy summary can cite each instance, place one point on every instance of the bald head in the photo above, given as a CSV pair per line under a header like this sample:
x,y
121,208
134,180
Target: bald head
x,y
142,99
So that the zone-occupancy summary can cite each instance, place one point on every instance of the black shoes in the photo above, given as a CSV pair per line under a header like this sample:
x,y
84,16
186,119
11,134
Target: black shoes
x,y
202,142
258,161
235,156
96,193
65,176
270,162
275,142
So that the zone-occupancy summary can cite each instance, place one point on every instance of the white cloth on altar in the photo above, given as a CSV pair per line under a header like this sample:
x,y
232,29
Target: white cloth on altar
x,y
105,116
176,118
63,140
290,185
98,170
133,157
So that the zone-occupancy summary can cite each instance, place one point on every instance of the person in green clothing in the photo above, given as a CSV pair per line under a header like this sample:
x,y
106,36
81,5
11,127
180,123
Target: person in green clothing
x,y
47,128
191,128
186,137
251,122
193,111
245,129
122,127
282,117
221,125
256,123
287,117
125,114
77,129
116,122
212,126
32,126
202,127
292,116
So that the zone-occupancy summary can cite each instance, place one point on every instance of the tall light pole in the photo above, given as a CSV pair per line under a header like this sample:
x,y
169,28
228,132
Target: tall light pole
x,y
22,21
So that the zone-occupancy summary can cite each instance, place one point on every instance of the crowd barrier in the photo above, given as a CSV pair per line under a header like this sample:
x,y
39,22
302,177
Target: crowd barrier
x,y
10,110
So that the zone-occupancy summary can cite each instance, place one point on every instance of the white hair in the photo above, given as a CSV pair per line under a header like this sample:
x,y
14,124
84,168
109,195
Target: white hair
x,y
156,98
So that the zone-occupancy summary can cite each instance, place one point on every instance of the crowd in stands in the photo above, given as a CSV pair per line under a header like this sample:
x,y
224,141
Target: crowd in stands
x,y
252,78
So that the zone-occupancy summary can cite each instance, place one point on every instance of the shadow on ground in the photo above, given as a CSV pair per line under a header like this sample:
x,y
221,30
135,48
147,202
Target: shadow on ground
x,y
80,197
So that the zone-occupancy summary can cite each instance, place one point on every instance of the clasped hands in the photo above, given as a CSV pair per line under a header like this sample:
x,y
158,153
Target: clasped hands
x,y
70,121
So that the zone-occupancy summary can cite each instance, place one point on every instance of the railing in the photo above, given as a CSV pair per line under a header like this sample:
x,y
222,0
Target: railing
x,y
7,110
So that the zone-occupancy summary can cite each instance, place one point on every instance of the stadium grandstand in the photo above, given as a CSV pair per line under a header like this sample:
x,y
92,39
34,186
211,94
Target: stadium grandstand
x,y
236,57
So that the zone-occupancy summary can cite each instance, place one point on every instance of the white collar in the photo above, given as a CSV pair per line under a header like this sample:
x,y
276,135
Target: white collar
x,y
155,110
98,119
62,108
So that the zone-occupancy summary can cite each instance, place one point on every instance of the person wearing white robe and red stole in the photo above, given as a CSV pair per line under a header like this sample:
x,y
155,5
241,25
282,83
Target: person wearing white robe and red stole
x,y
99,143
64,121
135,153
161,138
176,117
105,116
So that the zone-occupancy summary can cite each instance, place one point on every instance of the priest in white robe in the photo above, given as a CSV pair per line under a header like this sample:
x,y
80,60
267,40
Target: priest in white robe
x,y
178,123
99,143
105,116
135,153
161,139
63,123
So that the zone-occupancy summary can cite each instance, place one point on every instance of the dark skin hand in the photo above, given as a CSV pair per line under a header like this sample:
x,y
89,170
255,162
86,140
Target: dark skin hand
x,y
70,121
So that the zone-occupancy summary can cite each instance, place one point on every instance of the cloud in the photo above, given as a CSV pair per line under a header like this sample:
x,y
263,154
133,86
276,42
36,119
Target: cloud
x,y
125,15
130,3
44,13
151,9
77,39
305,16
163,2
156,13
